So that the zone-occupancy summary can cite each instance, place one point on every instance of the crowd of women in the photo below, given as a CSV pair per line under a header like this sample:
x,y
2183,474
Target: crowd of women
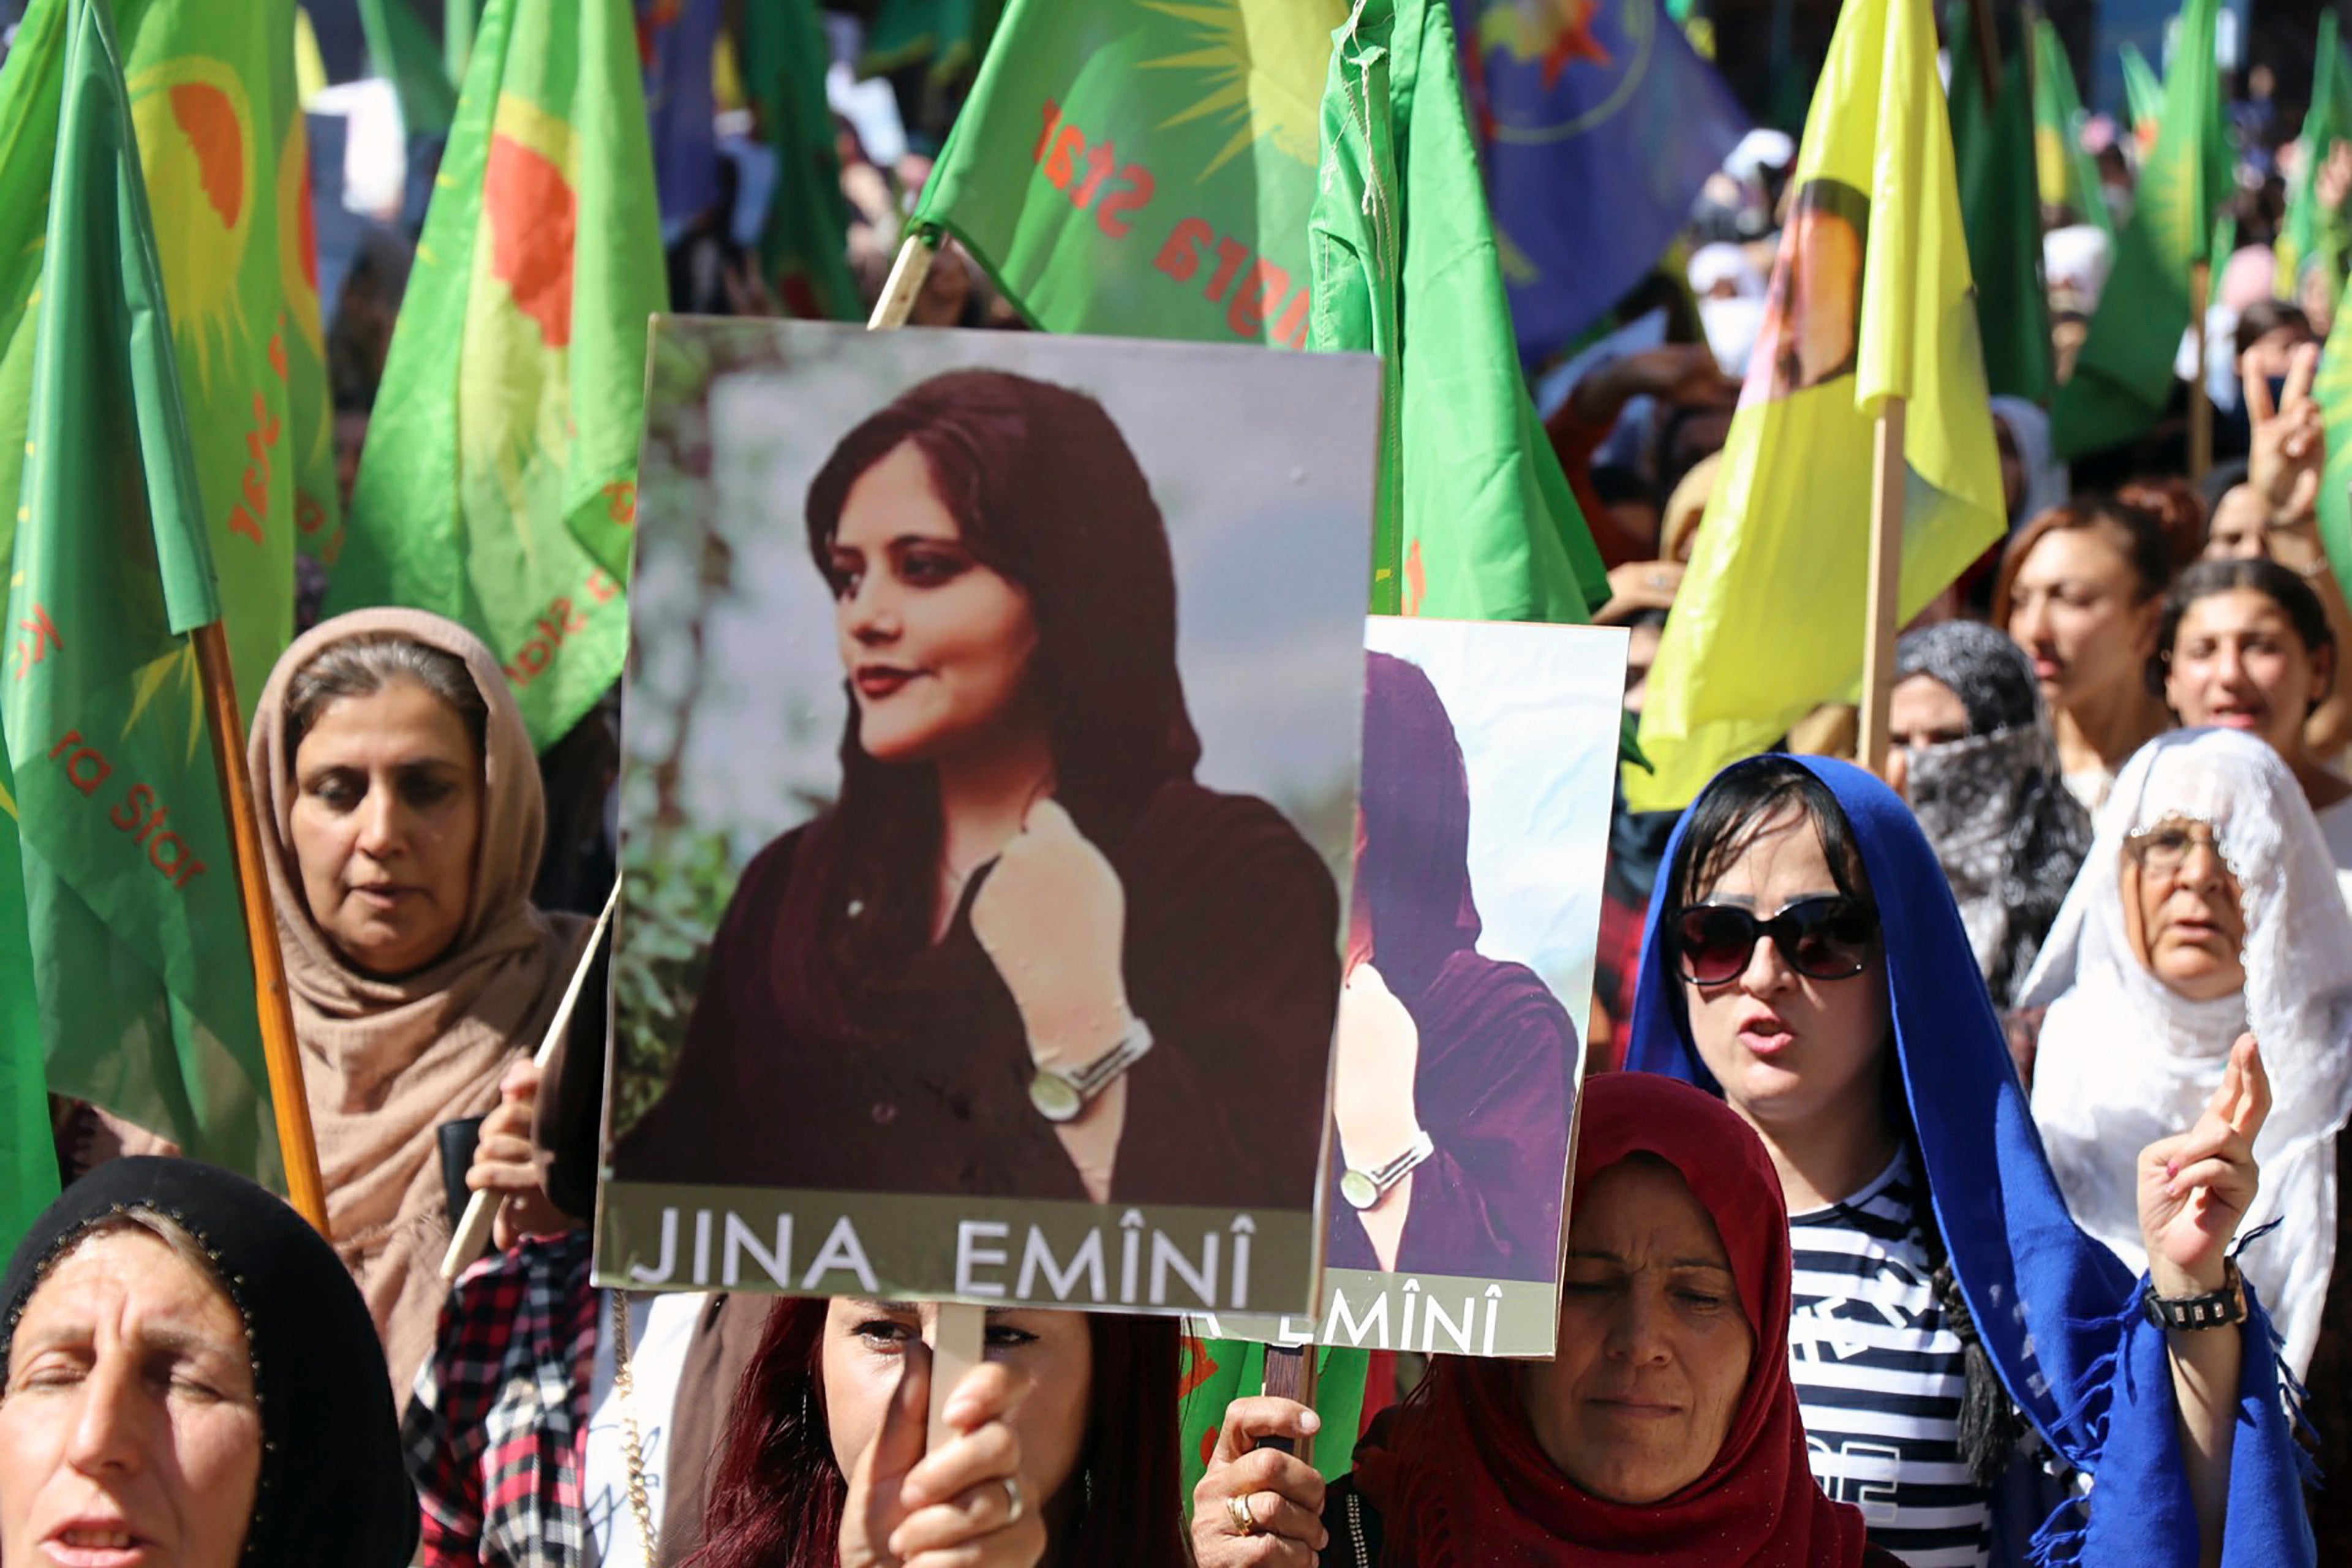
x,y
1963,1189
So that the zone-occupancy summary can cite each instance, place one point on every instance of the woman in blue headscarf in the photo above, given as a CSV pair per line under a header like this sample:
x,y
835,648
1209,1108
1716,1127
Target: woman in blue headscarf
x,y
1953,1325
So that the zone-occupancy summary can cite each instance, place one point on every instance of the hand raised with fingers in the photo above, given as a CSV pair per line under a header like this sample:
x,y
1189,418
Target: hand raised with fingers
x,y
1254,1507
2289,454
960,1506
2196,1186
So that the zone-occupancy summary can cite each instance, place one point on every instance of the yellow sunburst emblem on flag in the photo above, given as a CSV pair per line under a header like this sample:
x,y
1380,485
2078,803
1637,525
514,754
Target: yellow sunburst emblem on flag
x,y
1262,64
195,137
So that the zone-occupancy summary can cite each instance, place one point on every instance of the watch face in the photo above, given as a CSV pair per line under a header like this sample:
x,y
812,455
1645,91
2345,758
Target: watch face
x,y
1056,1097
1360,1190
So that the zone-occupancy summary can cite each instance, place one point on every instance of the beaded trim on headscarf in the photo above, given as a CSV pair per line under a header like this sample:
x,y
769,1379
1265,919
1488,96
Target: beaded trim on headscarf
x,y
231,1285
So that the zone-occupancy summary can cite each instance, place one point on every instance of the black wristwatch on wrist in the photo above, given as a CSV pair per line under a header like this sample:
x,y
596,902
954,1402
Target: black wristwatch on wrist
x,y
2221,1310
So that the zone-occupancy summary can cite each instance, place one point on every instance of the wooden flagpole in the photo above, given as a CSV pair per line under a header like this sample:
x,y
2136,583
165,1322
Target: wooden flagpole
x,y
2201,405
959,1337
296,1146
474,1230
1885,586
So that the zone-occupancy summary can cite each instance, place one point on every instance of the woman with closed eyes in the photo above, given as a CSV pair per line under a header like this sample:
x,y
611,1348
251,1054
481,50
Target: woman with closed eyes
x,y
1023,953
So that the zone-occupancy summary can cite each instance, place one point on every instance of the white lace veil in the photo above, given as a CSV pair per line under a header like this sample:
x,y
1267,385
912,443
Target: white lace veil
x,y
2125,1061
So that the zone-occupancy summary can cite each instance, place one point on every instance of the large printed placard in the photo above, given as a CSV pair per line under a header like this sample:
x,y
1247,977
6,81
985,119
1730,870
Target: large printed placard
x,y
989,769
1488,754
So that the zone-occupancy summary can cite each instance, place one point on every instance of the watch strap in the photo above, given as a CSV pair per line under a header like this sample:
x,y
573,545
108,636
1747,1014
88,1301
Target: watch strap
x,y
1364,1188
1062,1096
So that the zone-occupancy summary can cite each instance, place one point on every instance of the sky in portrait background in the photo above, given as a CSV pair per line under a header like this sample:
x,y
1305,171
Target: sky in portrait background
x,y
1535,709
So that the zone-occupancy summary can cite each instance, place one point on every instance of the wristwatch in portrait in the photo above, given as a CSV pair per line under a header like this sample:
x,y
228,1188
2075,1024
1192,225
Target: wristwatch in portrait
x,y
1362,1189
1063,1096
2219,1309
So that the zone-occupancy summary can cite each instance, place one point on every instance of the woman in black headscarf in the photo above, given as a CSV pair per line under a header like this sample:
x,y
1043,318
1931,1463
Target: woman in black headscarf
x,y
1023,953
189,1370
1458,1068
1975,759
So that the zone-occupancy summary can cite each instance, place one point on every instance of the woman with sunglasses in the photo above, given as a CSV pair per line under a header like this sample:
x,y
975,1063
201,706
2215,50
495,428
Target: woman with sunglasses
x,y
2207,907
1958,1342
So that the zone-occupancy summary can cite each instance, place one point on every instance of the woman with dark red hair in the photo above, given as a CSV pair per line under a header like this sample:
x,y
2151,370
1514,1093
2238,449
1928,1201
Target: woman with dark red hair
x,y
1064,1453
1023,953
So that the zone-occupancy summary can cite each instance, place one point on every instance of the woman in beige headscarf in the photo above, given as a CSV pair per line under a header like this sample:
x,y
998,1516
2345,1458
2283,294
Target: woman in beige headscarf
x,y
389,756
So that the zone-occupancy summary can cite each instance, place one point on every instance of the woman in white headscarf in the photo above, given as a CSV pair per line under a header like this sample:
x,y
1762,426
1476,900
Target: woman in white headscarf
x,y
2207,907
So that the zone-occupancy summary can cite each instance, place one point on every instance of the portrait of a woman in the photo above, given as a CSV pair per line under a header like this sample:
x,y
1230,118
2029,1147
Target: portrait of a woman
x,y
1456,1070
1022,953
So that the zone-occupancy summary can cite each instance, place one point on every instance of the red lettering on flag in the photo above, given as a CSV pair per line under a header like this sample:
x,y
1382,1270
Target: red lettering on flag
x,y
32,650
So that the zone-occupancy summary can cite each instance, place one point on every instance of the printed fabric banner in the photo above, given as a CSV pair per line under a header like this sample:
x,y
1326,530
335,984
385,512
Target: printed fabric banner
x,y
1599,123
1144,167
990,763
227,156
132,913
1870,298
1489,757
498,484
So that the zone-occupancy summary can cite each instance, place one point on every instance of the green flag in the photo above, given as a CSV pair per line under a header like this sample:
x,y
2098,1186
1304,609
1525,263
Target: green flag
x,y
228,165
2124,376
1143,168
1992,147
947,37
2068,175
144,984
1870,300
400,48
31,81
1147,168
2144,93
2315,239
805,251
499,485
1476,520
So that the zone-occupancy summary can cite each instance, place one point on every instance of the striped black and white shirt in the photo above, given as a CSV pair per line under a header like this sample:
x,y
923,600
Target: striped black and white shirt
x,y
1879,1377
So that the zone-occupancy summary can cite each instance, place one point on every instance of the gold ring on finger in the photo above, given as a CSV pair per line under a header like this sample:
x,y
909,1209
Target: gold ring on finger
x,y
1238,1509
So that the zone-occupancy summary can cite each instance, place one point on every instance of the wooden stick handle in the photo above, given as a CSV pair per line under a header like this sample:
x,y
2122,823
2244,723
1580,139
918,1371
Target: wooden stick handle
x,y
1290,1375
907,274
473,1234
959,1343
297,1148
1882,604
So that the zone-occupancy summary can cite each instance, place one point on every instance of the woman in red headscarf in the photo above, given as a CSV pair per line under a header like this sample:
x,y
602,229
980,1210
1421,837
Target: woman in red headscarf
x,y
1664,1431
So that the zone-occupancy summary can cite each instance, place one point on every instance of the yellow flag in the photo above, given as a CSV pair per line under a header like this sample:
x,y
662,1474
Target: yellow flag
x,y
1870,298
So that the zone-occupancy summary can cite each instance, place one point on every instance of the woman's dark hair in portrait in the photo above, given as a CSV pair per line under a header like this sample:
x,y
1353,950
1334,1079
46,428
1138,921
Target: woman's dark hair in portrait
x,y
777,1494
1724,820
1048,495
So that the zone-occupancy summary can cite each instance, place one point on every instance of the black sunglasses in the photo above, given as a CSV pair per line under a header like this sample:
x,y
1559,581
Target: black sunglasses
x,y
1826,938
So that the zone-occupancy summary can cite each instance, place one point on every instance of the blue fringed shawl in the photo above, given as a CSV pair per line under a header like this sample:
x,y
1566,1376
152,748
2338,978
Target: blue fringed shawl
x,y
2058,1313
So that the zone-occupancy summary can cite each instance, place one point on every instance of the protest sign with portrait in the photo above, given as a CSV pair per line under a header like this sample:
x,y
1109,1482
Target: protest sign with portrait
x,y
1489,751
990,758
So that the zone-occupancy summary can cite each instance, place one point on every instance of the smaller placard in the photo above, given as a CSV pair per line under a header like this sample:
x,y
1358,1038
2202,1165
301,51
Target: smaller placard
x,y
1489,755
